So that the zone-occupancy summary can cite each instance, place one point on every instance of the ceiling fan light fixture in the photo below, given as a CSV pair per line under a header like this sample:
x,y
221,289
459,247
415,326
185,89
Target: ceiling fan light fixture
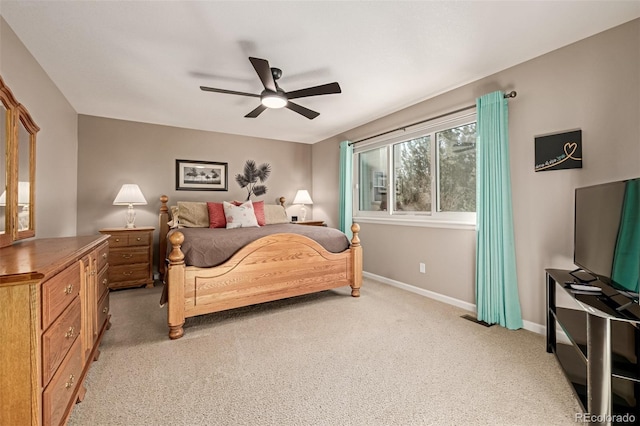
x,y
273,100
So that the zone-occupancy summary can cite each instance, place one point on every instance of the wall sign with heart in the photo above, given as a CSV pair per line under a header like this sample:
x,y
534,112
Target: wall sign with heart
x,y
559,151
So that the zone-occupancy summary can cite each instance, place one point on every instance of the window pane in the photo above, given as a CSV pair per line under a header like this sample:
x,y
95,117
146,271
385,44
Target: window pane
x,y
373,180
412,168
457,169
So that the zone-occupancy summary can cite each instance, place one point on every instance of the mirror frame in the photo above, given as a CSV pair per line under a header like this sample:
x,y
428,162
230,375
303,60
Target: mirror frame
x,y
17,115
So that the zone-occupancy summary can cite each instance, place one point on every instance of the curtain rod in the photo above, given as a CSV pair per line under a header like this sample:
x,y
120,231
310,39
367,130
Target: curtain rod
x,y
511,94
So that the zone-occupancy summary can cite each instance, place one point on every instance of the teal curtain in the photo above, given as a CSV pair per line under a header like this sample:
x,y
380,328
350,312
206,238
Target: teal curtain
x,y
345,204
496,280
626,259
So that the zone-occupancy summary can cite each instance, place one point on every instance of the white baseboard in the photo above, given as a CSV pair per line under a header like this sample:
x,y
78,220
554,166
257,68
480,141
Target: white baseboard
x,y
527,325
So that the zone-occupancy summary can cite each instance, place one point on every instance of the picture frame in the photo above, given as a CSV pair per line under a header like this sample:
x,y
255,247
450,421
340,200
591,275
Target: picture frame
x,y
192,175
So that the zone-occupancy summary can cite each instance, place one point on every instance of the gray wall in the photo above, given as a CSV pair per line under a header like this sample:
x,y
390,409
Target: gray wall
x,y
57,141
593,85
113,152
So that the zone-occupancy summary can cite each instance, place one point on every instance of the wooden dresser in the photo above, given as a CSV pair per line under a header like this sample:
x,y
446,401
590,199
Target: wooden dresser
x,y
54,309
130,256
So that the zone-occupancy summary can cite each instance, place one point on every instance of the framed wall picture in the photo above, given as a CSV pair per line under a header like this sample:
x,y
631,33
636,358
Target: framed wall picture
x,y
559,151
201,175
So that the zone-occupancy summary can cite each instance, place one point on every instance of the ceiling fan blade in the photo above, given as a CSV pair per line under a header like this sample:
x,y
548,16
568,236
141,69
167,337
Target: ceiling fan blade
x,y
324,89
256,112
229,92
264,72
302,110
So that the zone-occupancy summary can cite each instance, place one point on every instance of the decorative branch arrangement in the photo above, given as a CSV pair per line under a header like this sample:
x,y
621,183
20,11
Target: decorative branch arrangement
x,y
252,174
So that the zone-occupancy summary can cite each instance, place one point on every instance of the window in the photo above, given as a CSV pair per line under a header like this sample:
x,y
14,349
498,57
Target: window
x,y
426,174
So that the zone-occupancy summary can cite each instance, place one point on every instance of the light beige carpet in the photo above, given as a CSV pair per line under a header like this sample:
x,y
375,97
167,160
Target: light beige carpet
x,y
389,357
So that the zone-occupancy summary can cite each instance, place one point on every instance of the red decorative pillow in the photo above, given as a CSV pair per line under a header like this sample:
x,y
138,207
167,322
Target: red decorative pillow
x,y
258,210
217,218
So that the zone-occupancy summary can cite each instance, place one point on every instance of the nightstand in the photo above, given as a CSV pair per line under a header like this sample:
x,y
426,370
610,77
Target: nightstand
x,y
311,223
130,256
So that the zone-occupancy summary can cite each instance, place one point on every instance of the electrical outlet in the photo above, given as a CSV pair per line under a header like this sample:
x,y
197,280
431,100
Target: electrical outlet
x,y
423,268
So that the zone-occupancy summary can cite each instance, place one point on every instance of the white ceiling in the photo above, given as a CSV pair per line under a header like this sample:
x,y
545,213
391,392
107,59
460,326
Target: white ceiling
x,y
145,60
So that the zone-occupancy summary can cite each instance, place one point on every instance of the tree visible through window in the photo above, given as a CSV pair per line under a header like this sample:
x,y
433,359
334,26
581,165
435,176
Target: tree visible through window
x,y
430,172
457,176
413,175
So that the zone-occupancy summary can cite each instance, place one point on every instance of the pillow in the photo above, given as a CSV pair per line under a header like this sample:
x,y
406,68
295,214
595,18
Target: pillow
x,y
173,223
193,214
275,214
216,215
241,216
258,209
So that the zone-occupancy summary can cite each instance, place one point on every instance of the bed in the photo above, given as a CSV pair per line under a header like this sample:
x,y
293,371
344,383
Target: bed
x,y
284,263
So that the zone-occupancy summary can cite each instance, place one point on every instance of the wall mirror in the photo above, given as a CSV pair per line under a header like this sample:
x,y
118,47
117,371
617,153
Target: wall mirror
x,y
17,173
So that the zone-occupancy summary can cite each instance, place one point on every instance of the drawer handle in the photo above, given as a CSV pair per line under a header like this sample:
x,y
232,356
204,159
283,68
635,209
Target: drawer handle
x,y
104,281
127,273
105,310
68,289
104,255
70,382
127,256
138,239
117,240
70,333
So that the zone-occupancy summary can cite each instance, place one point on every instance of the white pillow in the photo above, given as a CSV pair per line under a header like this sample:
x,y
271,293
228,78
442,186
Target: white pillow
x,y
241,216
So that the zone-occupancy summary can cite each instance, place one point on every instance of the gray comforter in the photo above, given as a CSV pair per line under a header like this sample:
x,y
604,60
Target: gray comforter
x,y
207,247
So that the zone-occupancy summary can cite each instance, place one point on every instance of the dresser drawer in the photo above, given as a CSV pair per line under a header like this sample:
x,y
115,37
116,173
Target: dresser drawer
x,y
59,292
103,283
136,272
123,256
58,395
103,311
103,255
57,340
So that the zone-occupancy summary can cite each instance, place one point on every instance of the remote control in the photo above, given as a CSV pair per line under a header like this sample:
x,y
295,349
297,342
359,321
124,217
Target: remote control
x,y
583,287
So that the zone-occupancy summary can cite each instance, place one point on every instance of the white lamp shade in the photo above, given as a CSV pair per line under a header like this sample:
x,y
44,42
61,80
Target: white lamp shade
x,y
302,197
129,194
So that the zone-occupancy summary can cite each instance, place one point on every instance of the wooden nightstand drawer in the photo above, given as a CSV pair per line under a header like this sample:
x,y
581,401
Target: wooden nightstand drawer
x,y
57,340
125,239
124,256
128,273
140,239
130,256
59,292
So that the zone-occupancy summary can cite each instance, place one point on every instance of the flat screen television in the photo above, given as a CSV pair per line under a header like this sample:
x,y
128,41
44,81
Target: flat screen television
x,y
607,233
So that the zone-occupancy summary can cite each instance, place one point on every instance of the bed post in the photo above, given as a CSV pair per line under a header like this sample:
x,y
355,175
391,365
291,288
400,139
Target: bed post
x,y
175,283
164,230
356,258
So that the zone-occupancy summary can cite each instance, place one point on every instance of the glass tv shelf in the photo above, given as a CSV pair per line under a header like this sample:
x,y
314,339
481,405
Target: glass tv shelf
x,y
595,336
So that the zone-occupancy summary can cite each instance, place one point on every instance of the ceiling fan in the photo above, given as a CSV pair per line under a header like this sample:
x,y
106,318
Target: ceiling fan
x,y
273,96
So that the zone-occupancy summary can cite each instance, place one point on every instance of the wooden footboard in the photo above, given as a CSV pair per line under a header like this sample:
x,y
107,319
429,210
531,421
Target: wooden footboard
x,y
271,268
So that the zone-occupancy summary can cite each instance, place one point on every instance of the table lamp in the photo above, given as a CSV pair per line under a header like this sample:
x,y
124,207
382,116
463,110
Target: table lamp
x,y
129,195
302,197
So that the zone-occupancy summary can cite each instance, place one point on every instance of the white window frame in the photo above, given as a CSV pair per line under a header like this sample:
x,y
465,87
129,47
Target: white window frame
x,y
461,220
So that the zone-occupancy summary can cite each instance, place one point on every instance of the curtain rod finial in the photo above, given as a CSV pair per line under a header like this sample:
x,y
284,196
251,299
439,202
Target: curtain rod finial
x,y
511,94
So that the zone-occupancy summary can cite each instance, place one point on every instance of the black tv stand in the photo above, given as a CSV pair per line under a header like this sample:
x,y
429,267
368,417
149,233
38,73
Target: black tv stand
x,y
596,339
581,280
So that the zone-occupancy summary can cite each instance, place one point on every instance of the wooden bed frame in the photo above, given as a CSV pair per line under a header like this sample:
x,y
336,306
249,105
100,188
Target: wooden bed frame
x,y
271,268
